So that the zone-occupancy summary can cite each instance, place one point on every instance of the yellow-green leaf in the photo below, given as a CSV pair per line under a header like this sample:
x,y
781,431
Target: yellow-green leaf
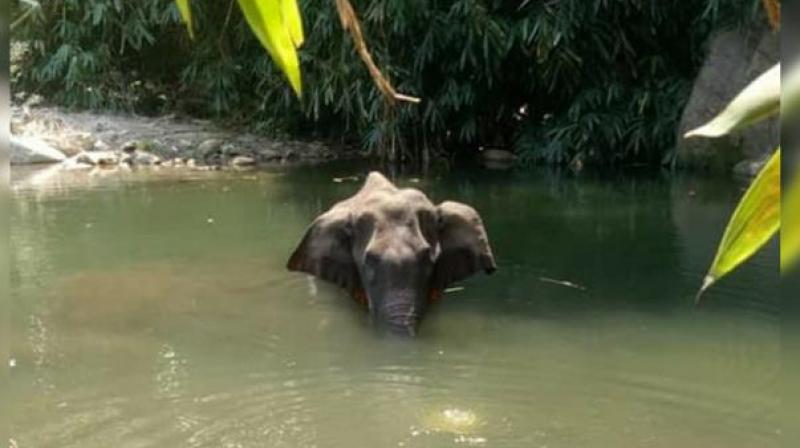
x,y
790,225
754,222
293,21
186,14
266,20
759,100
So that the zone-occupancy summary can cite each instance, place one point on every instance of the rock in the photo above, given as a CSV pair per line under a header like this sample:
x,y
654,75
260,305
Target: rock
x,y
31,150
208,148
100,145
269,155
497,159
70,143
313,150
97,158
34,100
498,155
145,158
129,147
240,161
498,165
734,59
576,165
82,141
73,164
231,150
290,154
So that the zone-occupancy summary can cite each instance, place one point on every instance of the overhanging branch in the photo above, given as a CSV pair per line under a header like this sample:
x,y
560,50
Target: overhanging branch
x,y
773,9
350,23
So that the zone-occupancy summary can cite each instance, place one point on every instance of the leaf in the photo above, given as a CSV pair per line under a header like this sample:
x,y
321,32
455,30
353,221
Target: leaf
x,y
294,24
186,14
790,93
759,100
790,225
266,20
755,220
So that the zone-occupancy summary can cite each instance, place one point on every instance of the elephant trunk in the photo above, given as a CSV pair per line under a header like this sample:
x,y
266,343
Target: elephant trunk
x,y
400,312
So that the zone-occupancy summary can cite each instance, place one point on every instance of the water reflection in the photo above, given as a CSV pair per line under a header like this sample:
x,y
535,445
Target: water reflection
x,y
156,311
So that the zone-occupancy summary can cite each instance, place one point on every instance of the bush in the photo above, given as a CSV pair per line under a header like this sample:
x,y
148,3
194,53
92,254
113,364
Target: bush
x,y
604,81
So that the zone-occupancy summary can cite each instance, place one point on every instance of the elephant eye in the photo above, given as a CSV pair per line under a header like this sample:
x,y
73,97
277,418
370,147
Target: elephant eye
x,y
427,225
365,219
425,217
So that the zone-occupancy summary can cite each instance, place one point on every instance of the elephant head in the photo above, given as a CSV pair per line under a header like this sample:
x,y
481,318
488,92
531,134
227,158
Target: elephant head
x,y
393,250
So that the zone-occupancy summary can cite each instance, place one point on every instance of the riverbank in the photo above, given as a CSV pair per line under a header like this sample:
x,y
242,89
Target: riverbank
x,y
83,140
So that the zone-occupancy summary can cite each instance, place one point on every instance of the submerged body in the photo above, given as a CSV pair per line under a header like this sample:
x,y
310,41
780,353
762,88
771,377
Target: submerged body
x,y
394,250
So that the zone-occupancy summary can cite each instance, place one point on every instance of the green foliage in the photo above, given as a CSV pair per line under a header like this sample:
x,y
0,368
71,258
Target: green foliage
x,y
278,26
601,80
94,53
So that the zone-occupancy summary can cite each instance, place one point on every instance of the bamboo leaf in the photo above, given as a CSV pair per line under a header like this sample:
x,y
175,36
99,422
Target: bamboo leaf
x,y
755,220
759,100
790,225
266,20
294,23
186,14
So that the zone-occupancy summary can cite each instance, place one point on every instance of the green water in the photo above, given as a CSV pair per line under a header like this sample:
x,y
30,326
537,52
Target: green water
x,y
154,310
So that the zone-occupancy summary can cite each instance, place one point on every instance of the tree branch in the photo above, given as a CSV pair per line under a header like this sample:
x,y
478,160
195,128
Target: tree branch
x,y
773,9
350,23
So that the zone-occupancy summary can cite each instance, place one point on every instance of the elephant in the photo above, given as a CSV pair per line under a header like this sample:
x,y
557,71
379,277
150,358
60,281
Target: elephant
x,y
394,251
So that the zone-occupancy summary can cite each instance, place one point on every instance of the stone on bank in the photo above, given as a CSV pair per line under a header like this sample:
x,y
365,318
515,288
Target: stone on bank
x,y
31,150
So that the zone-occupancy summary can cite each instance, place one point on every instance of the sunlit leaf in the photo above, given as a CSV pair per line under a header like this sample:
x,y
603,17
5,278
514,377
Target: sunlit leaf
x,y
293,21
759,100
790,93
186,14
754,222
266,20
790,225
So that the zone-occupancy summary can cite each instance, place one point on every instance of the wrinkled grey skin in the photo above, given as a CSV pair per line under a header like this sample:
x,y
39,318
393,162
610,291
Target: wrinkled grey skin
x,y
393,250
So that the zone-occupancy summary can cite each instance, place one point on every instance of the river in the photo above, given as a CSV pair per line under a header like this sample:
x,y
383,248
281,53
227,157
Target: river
x,y
153,309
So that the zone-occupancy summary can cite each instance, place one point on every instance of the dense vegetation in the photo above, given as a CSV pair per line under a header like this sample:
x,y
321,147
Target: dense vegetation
x,y
604,81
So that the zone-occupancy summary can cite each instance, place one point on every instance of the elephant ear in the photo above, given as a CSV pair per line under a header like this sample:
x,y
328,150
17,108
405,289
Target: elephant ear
x,y
464,245
325,251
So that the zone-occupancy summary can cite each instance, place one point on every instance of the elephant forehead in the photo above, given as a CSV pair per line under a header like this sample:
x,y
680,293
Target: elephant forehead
x,y
397,242
398,206
397,222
